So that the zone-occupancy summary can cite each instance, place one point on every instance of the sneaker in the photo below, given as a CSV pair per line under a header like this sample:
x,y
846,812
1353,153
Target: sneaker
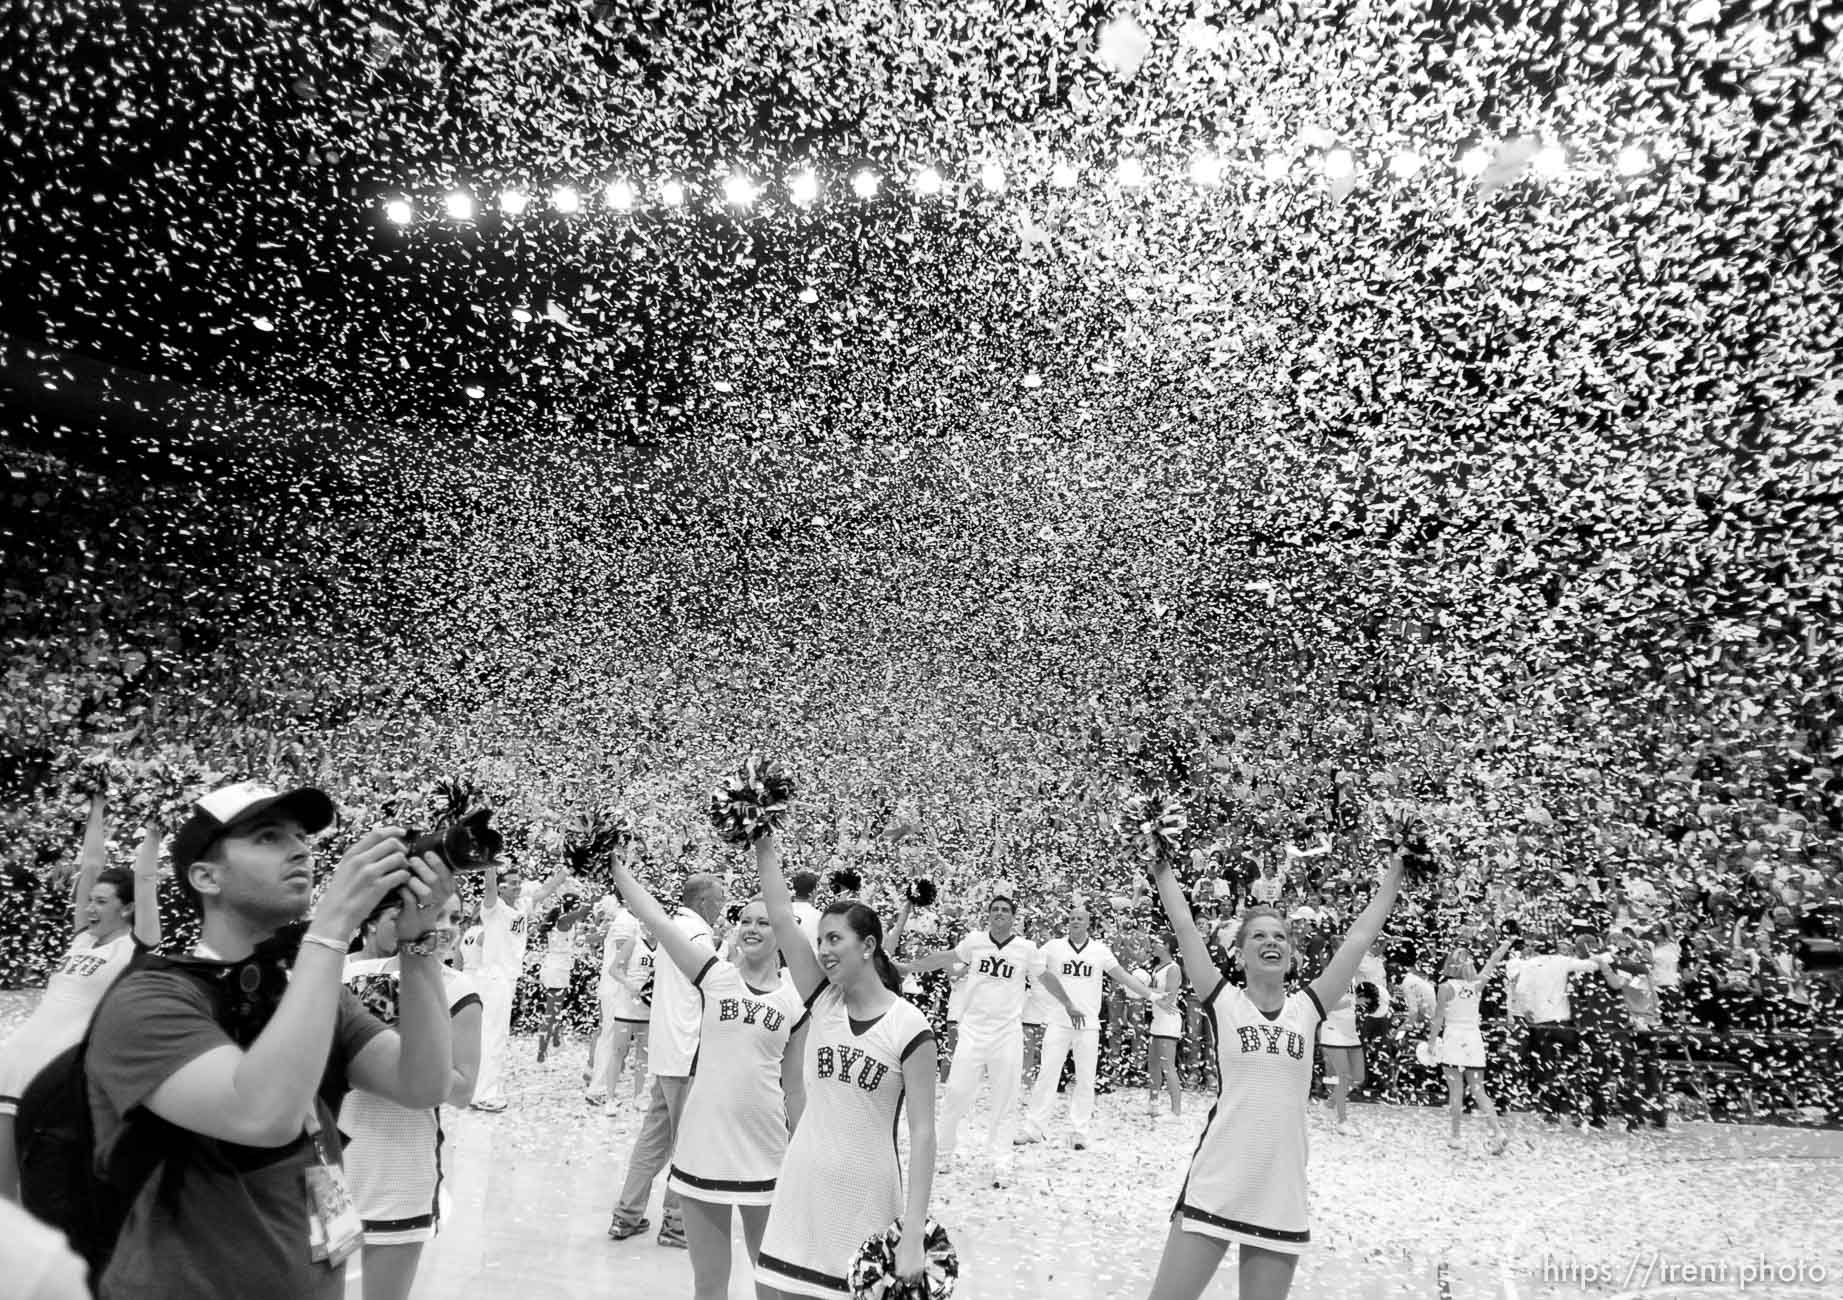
x,y
1001,1173
490,1107
672,1234
1344,1128
1454,1144
1499,1144
1025,1137
612,1110
943,1162
622,1229
595,1098
1079,1141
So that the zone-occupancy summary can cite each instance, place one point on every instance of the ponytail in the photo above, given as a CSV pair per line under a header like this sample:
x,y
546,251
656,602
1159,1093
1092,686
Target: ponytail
x,y
886,970
866,924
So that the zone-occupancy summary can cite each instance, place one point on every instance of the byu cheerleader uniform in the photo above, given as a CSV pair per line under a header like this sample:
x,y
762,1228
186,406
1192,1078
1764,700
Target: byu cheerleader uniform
x,y
1247,1179
842,1180
1462,1042
393,1155
1167,1014
733,1133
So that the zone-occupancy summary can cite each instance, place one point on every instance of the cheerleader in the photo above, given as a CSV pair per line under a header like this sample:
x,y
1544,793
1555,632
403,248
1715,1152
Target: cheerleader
x,y
1167,983
1246,1182
557,969
1342,1049
868,1053
393,1155
115,913
1459,1043
733,1132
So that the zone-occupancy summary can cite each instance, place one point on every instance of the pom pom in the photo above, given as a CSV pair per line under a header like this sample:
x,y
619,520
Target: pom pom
x,y
921,893
845,880
873,1272
1418,864
597,835
751,803
95,774
1153,824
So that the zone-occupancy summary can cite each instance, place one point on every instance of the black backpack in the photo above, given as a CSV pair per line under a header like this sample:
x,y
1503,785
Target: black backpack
x,y
61,1179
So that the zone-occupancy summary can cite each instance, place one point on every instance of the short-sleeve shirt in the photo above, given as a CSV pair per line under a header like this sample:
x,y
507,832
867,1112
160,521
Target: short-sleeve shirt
x,y
997,976
217,1218
1082,973
678,1008
505,931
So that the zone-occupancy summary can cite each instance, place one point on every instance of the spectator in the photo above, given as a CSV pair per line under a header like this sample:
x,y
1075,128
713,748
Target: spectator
x,y
673,1025
252,1155
806,915
1552,1049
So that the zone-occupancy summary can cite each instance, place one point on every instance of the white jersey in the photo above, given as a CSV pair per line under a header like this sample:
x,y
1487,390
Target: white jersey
x,y
64,1011
1462,1005
733,1132
505,931
841,1179
678,1008
996,980
1082,972
1247,1180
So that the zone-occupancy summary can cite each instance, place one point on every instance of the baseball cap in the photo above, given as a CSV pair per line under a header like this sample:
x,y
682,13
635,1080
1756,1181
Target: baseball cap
x,y
221,811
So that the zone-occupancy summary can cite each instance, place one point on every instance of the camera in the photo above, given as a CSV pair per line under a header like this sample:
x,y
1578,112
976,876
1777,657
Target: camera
x,y
466,845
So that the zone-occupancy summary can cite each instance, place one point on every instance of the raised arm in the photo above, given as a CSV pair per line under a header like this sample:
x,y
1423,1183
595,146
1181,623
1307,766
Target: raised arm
x,y
91,860
258,1096
551,885
892,939
1492,962
1334,980
147,888
802,965
689,957
1130,982
1440,999
1204,977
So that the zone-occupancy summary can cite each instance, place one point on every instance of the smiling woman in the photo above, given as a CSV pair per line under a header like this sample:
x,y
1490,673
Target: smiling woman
x,y
732,1135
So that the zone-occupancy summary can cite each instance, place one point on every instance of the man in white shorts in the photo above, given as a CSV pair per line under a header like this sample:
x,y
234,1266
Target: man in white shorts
x,y
505,929
1074,969
627,967
999,961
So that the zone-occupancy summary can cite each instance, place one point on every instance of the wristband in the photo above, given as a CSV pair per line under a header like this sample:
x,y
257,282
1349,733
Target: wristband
x,y
421,946
331,945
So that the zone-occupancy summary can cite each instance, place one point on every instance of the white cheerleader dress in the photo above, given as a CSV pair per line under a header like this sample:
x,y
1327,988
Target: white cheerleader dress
x,y
733,1133
1462,1041
1247,1179
559,962
393,1155
842,1179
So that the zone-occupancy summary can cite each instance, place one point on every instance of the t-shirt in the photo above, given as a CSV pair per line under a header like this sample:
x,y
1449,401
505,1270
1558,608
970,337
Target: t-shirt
x,y
218,1218
36,1261
1542,984
1418,997
623,927
806,916
678,1008
1082,973
996,975
505,932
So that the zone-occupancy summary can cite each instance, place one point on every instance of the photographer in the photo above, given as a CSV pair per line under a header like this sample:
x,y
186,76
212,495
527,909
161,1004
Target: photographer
x,y
240,1091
